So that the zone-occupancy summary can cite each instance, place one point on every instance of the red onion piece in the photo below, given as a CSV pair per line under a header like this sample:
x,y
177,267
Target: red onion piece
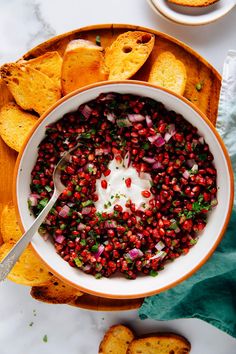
x,y
86,211
190,163
135,253
134,118
86,111
107,97
127,160
153,138
160,245
33,201
60,238
159,141
149,159
186,174
194,168
149,121
111,117
172,129
87,268
201,140
157,165
159,254
123,122
110,224
167,136
81,226
99,251
101,151
64,211
46,236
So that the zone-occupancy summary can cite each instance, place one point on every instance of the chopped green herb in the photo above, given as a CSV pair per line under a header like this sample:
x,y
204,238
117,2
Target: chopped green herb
x,y
98,40
94,248
153,273
193,241
45,338
31,324
98,276
202,157
146,146
78,188
63,226
43,202
83,242
49,189
78,262
87,203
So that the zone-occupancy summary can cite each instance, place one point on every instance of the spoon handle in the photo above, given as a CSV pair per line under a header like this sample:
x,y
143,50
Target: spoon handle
x,y
12,257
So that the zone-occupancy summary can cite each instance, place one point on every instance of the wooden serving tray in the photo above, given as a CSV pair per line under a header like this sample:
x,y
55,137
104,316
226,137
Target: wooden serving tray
x,y
198,70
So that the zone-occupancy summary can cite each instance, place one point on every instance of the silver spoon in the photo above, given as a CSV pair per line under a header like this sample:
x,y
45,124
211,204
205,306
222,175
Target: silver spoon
x,y
12,257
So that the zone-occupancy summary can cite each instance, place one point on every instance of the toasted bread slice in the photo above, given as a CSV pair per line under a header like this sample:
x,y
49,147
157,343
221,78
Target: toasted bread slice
x,y
49,64
193,3
10,229
29,269
83,64
56,292
116,340
169,72
15,125
162,343
128,53
31,89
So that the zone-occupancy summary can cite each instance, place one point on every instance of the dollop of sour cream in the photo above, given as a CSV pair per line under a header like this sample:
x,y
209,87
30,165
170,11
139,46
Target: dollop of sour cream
x,y
117,191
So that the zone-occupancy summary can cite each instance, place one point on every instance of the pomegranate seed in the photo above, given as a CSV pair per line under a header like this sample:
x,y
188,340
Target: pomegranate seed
x,y
104,184
128,182
146,194
107,172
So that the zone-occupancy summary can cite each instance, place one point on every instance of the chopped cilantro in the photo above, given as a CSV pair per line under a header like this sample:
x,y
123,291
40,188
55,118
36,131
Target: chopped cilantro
x,y
94,248
83,242
87,203
45,338
153,273
63,226
193,241
43,202
78,262
98,276
78,188
48,189
98,40
146,146
202,157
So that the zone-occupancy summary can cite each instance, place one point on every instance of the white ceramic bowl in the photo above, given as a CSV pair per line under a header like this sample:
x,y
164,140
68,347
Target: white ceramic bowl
x,y
192,16
181,268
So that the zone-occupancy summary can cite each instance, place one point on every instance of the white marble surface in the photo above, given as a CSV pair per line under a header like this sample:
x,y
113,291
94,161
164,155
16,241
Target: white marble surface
x,y
23,24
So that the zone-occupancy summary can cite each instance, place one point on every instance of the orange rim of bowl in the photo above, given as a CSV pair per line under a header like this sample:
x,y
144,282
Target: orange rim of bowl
x,y
223,229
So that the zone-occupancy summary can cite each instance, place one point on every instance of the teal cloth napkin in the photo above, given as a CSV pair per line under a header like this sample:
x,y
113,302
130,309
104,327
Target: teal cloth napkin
x,y
210,294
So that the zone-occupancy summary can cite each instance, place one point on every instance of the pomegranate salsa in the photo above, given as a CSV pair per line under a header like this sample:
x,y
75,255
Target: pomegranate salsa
x,y
135,133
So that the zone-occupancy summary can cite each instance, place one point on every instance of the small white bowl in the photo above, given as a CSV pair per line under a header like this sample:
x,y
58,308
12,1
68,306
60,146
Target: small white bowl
x,y
192,16
181,268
